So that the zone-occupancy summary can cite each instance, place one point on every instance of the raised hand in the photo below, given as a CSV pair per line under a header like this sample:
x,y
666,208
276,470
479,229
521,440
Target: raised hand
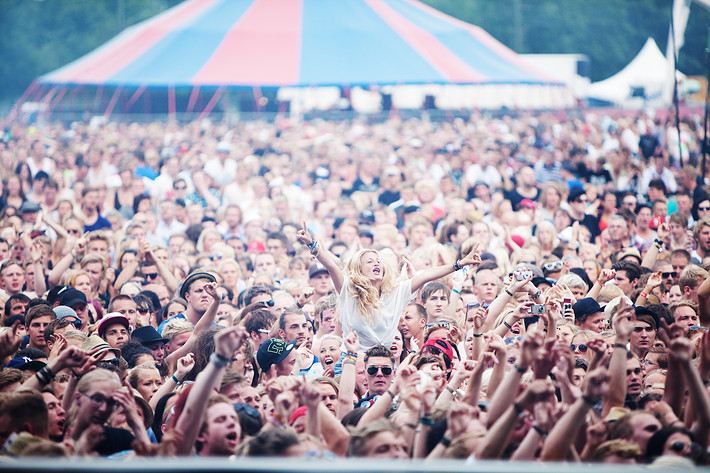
x,y
352,343
229,340
305,236
596,383
184,366
471,259
211,290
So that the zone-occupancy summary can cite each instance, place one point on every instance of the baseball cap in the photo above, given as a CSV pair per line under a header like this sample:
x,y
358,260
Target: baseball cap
x,y
273,351
442,345
25,363
316,269
72,296
584,307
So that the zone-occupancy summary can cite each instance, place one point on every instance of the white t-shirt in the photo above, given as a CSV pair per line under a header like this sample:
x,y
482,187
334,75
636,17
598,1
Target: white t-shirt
x,y
386,317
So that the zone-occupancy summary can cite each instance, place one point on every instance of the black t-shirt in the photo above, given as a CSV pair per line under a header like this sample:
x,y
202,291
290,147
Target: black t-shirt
x,y
515,197
599,178
115,440
388,197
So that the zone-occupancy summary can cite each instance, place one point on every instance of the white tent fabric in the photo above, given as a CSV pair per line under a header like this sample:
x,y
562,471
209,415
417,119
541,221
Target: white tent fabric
x,y
647,72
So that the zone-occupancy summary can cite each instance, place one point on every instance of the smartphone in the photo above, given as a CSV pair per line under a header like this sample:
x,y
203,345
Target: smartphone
x,y
566,305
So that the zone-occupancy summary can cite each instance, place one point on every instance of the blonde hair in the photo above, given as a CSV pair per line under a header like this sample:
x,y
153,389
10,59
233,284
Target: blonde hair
x,y
87,381
69,278
367,295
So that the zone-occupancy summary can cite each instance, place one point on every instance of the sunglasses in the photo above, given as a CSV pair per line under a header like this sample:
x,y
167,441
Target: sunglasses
x,y
143,310
698,327
635,371
73,231
386,370
476,305
181,188
439,325
704,209
671,274
552,267
582,347
214,257
680,447
269,303
98,400
150,275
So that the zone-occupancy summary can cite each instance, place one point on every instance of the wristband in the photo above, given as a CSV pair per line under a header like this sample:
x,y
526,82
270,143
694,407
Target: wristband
x,y
428,421
457,265
174,378
537,296
48,372
517,408
445,441
349,361
508,292
312,245
542,433
507,325
390,393
354,355
619,345
454,290
644,295
219,360
477,335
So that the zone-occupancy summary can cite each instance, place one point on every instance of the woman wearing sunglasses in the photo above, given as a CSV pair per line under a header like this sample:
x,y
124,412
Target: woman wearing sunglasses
x,y
371,296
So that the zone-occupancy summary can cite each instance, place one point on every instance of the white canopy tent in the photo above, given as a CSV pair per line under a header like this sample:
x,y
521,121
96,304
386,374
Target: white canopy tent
x,y
640,83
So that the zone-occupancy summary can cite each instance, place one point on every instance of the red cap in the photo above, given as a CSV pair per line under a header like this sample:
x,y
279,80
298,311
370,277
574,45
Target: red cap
x,y
443,345
256,247
527,203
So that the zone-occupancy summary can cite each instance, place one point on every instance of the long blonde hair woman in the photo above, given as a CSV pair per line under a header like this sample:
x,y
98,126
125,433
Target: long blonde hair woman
x,y
371,296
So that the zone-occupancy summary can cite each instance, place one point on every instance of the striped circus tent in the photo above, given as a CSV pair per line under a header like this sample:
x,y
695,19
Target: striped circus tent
x,y
202,48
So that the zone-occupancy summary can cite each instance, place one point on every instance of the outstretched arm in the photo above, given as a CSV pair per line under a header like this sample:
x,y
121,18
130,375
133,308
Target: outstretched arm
x,y
423,277
325,257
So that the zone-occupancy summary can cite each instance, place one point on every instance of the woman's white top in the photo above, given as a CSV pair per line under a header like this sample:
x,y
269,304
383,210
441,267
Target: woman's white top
x,y
386,316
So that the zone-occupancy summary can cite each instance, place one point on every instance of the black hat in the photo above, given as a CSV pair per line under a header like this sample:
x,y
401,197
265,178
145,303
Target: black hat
x,y
72,296
585,307
273,351
575,194
192,278
147,335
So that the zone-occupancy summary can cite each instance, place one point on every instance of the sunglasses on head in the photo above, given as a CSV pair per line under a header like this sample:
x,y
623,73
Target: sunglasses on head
x,y
635,371
439,324
386,370
670,274
582,347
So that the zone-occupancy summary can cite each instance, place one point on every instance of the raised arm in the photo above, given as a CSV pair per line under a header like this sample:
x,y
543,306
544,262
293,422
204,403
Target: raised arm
x,y
423,277
325,257
565,430
226,343
622,322
348,376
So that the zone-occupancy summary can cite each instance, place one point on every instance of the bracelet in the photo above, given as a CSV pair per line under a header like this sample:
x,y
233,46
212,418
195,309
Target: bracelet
x,y
312,245
537,296
658,243
219,360
508,292
644,295
174,378
453,391
589,400
445,441
354,355
41,378
454,290
390,393
349,361
507,325
520,369
428,421
457,265
542,433
619,345
48,372
477,335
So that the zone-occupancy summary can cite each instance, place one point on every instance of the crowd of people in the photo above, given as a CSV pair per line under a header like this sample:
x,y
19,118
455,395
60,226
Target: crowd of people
x,y
524,287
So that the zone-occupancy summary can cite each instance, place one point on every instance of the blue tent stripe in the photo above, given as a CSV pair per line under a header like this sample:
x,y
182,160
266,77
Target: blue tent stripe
x,y
349,57
178,57
460,42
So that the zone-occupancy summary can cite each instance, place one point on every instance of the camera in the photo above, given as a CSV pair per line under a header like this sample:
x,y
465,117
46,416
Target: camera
x,y
537,309
523,274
